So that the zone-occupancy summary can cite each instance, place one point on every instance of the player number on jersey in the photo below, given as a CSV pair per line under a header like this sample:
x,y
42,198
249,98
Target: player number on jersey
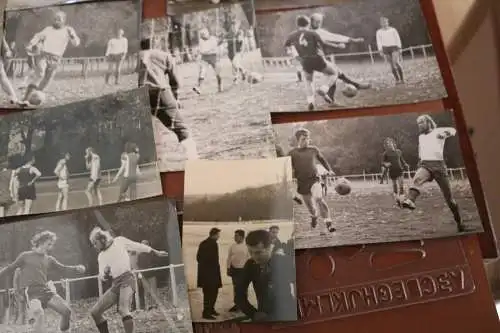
x,y
302,40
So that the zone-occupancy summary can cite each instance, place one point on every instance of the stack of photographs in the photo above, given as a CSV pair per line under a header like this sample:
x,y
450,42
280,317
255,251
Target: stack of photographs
x,y
230,93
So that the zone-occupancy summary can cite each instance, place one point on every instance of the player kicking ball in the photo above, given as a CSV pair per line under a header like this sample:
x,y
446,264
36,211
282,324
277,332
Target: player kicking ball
x,y
209,56
394,163
304,165
49,46
389,46
431,143
35,266
114,265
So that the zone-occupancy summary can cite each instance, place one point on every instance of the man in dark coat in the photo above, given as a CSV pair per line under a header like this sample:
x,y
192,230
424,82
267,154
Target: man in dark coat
x,y
209,275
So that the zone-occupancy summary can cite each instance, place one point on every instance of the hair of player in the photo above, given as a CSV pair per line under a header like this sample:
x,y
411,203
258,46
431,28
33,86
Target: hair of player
x,y
388,141
317,17
384,18
257,237
42,237
300,132
213,232
60,12
274,227
430,122
99,234
303,21
146,44
240,232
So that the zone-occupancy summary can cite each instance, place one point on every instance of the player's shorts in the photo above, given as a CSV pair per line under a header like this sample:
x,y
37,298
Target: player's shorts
x,y
115,57
48,61
389,50
126,182
62,184
164,107
436,169
234,48
125,280
210,59
42,293
395,173
26,193
94,184
310,186
316,64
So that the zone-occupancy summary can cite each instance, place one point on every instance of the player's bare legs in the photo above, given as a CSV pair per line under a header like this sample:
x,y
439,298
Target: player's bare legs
x,y
37,313
309,87
124,304
445,186
333,74
310,203
62,199
217,70
395,61
103,304
61,307
28,204
7,85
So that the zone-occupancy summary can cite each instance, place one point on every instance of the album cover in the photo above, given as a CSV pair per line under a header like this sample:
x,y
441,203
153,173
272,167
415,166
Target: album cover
x,y
378,179
238,242
203,68
65,53
347,54
87,153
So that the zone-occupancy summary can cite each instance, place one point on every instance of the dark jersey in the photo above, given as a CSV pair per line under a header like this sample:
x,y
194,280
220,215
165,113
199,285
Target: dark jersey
x,y
395,157
234,40
304,162
307,43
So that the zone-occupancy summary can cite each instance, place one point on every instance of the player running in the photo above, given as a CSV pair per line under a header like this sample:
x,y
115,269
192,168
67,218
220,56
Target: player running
x,y
394,163
389,46
307,45
114,266
235,39
50,44
35,266
93,164
209,56
26,176
158,73
431,143
304,165
338,41
62,173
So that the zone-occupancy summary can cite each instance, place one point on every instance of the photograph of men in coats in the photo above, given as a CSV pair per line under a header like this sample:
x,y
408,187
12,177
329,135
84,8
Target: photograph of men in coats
x,y
209,275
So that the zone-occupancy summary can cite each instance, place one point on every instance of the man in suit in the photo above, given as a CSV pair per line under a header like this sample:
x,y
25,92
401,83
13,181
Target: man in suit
x,y
209,275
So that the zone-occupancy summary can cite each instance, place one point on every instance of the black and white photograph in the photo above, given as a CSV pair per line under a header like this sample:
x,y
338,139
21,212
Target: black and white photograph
x,y
23,4
238,244
61,54
378,179
351,54
93,271
83,154
203,67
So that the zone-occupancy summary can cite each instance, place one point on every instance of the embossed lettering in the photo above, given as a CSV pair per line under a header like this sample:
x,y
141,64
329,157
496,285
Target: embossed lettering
x,y
352,298
399,290
369,295
429,287
339,302
416,282
384,292
459,277
444,283
309,305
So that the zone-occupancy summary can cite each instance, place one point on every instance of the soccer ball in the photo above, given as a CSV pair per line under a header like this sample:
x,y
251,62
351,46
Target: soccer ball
x,y
350,91
254,77
323,90
343,186
37,97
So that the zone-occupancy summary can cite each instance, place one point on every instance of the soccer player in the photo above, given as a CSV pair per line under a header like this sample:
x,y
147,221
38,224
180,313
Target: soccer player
x,y
158,73
4,79
308,46
338,41
114,265
272,274
35,266
209,55
93,164
235,39
50,44
129,171
27,175
116,51
19,298
6,194
389,45
431,143
393,161
304,165
62,173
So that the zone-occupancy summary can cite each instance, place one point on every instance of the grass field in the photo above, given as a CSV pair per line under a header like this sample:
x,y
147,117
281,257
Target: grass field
x,y
148,185
369,215
69,86
165,318
193,234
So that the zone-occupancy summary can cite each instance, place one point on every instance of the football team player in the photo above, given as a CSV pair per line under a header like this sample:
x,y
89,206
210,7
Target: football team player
x,y
389,46
394,163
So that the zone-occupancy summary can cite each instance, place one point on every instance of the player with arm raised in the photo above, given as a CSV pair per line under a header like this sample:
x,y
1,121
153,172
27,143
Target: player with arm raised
x,y
35,266
114,264
308,46
305,159
158,72
338,41
209,55
431,143
389,46
62,173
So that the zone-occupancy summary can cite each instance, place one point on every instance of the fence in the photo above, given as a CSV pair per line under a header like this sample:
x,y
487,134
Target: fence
x,y
411,52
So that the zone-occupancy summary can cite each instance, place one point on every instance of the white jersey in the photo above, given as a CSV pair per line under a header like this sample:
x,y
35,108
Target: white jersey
x,y
61,170
330,37
54,41
117,257
237,255
387,38
431,145
117,46
95,167
209,46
